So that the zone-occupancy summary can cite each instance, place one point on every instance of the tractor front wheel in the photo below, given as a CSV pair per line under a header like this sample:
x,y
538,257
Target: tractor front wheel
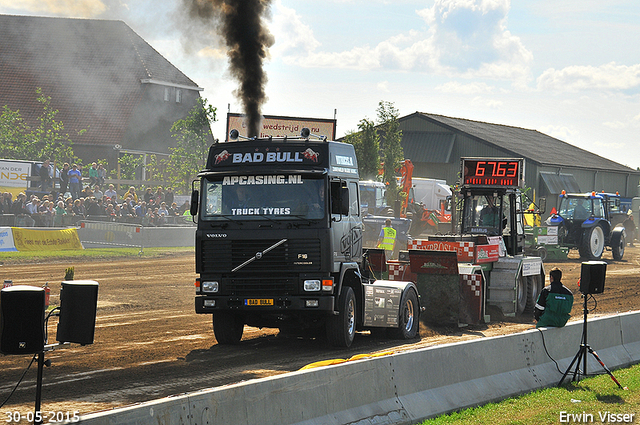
x,y
592,243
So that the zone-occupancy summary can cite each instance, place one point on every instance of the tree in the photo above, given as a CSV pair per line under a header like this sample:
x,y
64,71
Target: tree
x,y
193,136
49,141
366,143
13,132
392,152
128,165
46,140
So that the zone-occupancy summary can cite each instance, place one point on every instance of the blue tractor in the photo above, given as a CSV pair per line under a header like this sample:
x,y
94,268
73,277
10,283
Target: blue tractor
x,y
584,222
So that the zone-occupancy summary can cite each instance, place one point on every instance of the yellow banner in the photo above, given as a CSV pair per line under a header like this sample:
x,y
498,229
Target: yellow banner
x,y
42,240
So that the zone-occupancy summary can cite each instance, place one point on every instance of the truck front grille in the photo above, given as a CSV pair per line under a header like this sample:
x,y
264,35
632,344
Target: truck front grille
x,y
259,286
222,256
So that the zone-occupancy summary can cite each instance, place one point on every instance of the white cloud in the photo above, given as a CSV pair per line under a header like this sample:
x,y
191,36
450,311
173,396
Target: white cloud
x,y
383,86
293,37
605,77
464,89
560,132
465,38
608,146
616,125
76,8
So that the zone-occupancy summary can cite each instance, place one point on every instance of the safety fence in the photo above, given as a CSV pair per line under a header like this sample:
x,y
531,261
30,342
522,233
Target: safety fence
x,y
95,234
99,234
40,220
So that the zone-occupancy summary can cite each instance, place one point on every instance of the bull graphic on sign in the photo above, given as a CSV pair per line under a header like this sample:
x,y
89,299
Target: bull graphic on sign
x,y
222,156
311,155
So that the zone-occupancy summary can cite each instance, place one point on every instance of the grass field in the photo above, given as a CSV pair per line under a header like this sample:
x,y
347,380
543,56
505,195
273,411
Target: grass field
x,y
80,254
593,400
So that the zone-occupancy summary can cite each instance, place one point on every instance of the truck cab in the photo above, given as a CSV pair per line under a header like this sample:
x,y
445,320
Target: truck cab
x,y
279,238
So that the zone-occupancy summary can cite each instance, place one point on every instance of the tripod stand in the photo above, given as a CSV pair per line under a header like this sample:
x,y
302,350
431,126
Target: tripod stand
x,y
581,355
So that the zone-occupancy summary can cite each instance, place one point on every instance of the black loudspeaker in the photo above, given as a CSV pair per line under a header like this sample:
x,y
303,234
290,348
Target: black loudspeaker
x,y
21,320
592,277
78,303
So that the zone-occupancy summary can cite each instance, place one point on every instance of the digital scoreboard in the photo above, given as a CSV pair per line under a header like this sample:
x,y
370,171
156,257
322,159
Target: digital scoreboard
x,y
491,172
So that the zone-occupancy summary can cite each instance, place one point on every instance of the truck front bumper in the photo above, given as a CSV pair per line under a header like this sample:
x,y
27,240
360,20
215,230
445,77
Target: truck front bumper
x,y
206,304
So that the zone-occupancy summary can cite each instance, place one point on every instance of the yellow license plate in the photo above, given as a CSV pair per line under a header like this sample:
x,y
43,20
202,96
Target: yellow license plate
x,y
258,301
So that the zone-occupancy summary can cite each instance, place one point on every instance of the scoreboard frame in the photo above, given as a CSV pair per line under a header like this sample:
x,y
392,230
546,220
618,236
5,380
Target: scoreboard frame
x,y
506,173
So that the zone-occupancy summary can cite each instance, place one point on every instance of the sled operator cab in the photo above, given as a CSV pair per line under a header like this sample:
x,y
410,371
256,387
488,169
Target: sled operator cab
x,y
491,200
492,216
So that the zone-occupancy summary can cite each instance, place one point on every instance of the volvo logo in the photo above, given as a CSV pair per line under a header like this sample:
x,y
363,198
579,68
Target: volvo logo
x,y
258,255
216,235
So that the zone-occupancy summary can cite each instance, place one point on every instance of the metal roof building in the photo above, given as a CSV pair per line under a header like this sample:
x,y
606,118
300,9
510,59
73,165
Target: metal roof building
x,y
435,144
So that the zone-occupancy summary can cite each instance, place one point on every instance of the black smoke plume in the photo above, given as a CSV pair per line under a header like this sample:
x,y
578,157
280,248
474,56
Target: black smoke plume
x,y
241,23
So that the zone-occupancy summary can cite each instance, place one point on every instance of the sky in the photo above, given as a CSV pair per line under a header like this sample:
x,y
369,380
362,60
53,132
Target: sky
x,y
569,69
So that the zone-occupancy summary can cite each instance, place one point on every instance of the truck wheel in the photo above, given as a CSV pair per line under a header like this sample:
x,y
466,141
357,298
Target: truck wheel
x,y
341,328
522,292
592,243
535,287
618,244
408,322
227,328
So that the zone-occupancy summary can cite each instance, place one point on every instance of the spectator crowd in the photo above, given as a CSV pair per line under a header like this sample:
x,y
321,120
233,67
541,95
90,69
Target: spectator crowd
x,y
77,199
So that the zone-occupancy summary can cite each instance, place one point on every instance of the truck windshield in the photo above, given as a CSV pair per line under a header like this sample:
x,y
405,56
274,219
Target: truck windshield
x,y
372,198
263,197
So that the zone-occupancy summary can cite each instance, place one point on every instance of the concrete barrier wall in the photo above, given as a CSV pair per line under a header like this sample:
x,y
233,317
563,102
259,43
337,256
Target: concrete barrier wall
x,y
401,388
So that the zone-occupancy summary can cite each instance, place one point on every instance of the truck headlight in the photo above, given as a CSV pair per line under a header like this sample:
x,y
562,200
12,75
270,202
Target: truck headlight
x,y
312,285
211,286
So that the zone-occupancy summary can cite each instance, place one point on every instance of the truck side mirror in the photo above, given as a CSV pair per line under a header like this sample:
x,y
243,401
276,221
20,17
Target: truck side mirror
x,y
195,196
344,200
339,198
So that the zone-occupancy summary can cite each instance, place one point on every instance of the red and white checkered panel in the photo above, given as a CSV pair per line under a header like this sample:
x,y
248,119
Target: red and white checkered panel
x,y
473,284
465,250
471,298
417,243
401,272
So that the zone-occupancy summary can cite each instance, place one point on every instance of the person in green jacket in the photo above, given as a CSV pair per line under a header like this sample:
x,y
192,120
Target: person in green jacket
x,y
554,303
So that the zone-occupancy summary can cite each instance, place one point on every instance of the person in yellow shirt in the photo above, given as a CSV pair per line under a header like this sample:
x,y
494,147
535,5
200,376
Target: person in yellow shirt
x,y
387,239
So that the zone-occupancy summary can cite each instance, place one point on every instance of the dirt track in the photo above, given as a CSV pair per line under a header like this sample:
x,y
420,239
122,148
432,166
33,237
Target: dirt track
x,y
149,343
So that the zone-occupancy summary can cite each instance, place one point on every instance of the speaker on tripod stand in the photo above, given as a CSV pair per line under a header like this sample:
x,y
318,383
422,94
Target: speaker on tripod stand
x,y
22,319
592,277
78,304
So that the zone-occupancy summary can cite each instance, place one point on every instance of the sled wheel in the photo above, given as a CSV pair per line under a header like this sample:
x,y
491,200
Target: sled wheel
x,y
408,322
